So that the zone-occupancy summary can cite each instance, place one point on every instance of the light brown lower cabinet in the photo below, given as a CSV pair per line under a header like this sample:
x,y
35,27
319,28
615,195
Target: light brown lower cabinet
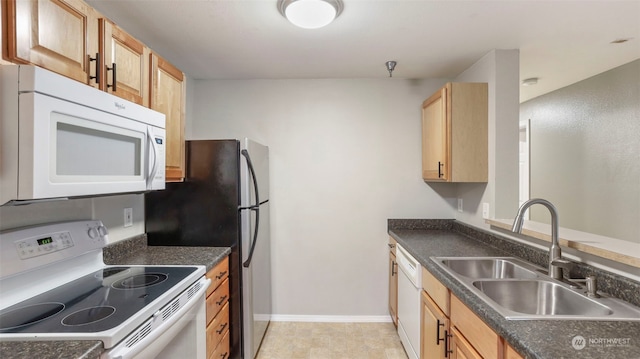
x,y
435,330
393,282
510,353
449,329
222,351
461,348
217,332
486,342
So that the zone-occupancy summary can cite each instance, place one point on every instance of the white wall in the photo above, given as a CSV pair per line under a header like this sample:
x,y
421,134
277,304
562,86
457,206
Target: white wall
x,y
107,209
345,157
587,134
500,69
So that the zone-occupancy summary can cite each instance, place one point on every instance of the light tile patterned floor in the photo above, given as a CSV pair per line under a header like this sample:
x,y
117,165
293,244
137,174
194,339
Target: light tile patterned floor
x,y
298,340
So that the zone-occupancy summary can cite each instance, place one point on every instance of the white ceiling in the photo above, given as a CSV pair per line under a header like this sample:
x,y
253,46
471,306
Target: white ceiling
x,y
561,42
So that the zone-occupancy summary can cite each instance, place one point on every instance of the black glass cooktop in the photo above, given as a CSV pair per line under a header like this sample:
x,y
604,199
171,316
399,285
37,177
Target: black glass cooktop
x,y
96,302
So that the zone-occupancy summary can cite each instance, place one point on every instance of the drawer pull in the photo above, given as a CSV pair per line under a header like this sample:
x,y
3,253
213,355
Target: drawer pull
x,y
97,60
222,327
114,81
222,274
447,343
438,339
222,300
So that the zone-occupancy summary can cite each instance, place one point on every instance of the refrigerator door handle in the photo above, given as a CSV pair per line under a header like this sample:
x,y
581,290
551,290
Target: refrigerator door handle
x,y
255,207
247,263
245,153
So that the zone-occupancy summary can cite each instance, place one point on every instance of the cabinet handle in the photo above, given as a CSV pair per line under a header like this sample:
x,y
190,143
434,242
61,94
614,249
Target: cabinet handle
x,y
97,60
113,82
446,344
221,328
393,268
222,274
440,164
438,339
222,300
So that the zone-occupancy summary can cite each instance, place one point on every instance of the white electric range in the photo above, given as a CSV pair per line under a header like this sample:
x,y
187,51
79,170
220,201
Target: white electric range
x,y
54,285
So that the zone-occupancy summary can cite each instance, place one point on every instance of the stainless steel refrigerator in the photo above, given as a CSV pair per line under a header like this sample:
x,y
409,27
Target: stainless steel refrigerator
x,y
224,202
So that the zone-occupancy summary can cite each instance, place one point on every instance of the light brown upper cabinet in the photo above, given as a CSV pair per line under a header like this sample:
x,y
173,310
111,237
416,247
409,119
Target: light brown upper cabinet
x,y
60,35
168,89
73,39
126,64
3,41
455,134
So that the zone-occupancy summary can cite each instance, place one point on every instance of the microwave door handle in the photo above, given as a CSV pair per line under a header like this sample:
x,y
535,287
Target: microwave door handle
x,y
155,157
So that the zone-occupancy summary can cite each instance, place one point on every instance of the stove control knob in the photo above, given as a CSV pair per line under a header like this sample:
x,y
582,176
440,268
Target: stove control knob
x,y
102,230
93,233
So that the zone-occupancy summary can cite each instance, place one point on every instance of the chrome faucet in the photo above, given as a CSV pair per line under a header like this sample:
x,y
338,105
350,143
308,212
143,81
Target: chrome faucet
x,y
555,254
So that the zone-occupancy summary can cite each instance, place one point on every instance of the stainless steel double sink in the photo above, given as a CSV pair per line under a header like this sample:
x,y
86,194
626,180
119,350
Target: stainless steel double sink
x,y
519,290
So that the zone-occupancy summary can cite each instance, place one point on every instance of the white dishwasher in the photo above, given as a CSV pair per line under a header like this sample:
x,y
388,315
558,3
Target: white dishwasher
x,y
409,287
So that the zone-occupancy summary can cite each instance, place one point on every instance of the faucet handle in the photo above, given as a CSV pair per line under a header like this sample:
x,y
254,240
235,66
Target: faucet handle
x,y
562,263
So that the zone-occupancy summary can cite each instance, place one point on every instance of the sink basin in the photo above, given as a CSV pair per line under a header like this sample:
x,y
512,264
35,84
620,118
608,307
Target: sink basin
x,y
498,268
540,297
520,291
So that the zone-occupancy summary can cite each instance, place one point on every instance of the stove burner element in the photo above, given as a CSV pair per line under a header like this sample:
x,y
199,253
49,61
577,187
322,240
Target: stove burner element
x,y
29,315
88,316
140,281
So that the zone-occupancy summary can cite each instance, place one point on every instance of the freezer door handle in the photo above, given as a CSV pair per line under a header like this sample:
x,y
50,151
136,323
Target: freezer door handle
x,y
255,207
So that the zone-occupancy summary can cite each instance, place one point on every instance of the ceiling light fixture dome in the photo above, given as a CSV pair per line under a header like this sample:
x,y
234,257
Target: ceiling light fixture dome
x,y
310,14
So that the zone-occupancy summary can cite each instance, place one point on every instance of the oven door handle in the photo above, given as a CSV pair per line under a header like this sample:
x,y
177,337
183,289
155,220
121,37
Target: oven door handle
x,y
122,351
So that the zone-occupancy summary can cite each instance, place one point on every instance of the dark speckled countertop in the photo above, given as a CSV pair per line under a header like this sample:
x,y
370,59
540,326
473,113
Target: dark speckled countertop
x,y
548,339
132,251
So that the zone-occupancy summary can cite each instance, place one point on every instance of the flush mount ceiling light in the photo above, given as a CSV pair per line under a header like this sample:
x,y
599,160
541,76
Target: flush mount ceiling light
x,y
310,14
530,81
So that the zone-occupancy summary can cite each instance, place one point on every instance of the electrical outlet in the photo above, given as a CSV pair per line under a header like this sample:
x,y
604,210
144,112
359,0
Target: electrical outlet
x,y
485,210
128,217
459,204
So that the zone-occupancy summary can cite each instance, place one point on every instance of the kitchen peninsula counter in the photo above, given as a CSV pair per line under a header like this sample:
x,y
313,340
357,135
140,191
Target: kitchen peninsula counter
x,y
540,339
132,252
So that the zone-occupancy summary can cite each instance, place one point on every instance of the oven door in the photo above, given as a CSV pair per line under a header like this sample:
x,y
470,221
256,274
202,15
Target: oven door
x,y
67,149
182,335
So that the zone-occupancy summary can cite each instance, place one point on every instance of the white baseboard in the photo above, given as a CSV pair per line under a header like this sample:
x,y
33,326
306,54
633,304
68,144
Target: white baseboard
x,y
331,318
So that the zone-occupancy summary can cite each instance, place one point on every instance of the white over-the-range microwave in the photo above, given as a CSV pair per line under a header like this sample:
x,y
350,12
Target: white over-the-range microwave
x,y
64,139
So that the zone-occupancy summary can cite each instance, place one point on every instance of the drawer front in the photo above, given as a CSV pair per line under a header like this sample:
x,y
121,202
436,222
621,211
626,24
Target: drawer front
x,y
217,300
474,330
436,290
217,275
222,351
217,329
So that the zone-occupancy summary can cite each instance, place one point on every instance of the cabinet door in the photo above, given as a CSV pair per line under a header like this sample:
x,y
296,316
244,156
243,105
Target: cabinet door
x,y
435,326
435,138
126,67
461,349
3,35
393,288
58,35
168,96
510,353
